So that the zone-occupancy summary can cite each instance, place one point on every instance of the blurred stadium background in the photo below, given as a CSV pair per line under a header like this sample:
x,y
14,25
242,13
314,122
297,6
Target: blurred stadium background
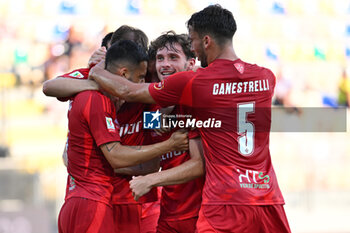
x,y
306,44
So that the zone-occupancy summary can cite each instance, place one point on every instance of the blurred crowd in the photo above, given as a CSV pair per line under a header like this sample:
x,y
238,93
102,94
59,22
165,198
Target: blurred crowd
x,y
306,43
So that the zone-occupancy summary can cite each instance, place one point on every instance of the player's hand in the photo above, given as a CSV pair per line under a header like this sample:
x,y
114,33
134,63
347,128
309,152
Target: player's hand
x,y
140,185
97,56
179,140
162,130
94,71
166,111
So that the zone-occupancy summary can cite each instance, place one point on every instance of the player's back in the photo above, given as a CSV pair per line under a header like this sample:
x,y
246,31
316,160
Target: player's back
x,y
90,123
238,95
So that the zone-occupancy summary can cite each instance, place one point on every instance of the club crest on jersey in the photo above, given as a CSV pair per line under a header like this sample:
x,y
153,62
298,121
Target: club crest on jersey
x,y
151,120
110,125
239,67
159,86
77,74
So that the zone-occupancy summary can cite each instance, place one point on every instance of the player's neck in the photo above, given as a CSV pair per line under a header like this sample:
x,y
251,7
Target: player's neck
x,y
226,52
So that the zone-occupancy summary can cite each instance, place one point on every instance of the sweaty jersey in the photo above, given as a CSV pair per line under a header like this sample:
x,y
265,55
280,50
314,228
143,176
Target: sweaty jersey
x,y
181,201
231,101
91,124
129,118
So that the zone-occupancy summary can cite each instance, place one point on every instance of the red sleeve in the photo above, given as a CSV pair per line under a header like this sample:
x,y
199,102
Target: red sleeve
x,y
100,115
170,91
76,74
82,73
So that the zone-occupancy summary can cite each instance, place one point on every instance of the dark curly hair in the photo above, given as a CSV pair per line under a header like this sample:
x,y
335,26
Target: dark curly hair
x,y
125,52
214,21
168,40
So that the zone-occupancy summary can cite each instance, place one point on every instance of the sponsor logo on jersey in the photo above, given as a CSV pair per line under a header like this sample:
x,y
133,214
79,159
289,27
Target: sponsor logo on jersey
x,y
171,155
253,179
77,74
159,86
110,125
130,128
151,120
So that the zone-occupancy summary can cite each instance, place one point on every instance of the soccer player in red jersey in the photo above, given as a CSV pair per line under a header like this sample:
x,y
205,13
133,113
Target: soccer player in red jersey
x,y
181,198
94,149
241,193
134,217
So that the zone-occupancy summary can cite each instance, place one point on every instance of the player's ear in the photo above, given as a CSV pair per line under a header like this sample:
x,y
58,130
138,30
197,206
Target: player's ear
x,y
124,72
191,63
207,40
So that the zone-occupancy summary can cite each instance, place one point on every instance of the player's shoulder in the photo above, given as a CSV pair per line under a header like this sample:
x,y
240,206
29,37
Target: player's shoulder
x,y
264,71
176,80
89,95
184,75
82,73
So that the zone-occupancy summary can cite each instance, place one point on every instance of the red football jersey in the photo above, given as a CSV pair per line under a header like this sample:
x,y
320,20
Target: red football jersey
x,y
232,103
129,119
131,133
82,73
180,201
91,124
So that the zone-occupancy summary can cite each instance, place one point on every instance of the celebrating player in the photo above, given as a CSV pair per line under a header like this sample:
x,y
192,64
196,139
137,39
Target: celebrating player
x,y
129,215
94,149
180,199
241,193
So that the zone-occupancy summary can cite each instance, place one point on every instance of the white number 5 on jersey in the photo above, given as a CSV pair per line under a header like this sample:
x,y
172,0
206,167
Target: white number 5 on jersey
x,y
245,129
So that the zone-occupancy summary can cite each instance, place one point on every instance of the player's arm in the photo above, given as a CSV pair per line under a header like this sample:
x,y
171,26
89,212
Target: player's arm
x,y
67,87
141,169
189,170
124,156
118,86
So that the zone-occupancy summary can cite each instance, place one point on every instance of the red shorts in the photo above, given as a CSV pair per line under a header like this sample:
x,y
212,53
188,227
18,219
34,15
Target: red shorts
x,y
150,216
129,218
183,226
83,215
241,218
